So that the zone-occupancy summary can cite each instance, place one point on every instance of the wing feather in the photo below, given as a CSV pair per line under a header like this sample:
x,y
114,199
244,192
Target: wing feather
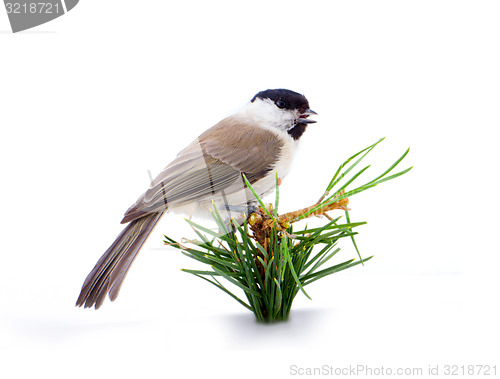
x,y
212,163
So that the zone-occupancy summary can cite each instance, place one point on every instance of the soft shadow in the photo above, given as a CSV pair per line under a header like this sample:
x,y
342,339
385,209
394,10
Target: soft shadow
x,y
46,329
28,32
300,331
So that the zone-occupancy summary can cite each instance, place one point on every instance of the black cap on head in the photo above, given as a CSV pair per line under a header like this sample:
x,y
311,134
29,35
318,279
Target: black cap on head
x,y
285,99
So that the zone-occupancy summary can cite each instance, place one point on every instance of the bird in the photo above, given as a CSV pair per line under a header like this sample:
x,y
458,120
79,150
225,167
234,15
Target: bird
x,y
259,141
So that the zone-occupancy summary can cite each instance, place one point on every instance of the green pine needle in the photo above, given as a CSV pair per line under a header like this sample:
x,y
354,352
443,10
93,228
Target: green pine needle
x,y
270,276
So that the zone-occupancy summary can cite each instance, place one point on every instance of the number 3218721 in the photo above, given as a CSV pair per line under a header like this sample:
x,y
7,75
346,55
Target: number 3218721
x,y
18,8
470,370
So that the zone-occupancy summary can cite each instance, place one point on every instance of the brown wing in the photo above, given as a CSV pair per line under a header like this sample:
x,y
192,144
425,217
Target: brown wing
x,y
210,164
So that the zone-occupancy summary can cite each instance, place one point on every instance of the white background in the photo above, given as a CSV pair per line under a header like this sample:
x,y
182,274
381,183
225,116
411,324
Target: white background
x,y
94,99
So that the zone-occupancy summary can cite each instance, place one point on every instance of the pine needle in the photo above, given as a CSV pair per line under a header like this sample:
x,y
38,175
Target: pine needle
x,y
273,263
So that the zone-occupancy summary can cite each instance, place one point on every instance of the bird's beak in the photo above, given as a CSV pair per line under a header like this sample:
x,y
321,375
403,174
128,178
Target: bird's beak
x,y
303,118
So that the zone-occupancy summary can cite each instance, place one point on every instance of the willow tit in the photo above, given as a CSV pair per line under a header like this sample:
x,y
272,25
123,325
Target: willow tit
x,y
258,141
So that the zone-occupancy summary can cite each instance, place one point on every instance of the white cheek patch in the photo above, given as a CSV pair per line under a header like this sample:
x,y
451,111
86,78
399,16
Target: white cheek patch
x,y
266,113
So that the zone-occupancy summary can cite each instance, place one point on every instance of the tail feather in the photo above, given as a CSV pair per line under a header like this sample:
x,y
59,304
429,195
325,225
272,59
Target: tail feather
x,y
110,270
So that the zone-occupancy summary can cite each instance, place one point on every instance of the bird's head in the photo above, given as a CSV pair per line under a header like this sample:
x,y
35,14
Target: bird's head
x,y
283,109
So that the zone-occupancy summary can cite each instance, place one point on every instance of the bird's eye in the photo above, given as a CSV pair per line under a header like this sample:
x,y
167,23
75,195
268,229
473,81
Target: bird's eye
x,y
280,104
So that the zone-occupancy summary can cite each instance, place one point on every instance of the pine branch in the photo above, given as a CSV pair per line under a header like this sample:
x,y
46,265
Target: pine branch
x,y
271,263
